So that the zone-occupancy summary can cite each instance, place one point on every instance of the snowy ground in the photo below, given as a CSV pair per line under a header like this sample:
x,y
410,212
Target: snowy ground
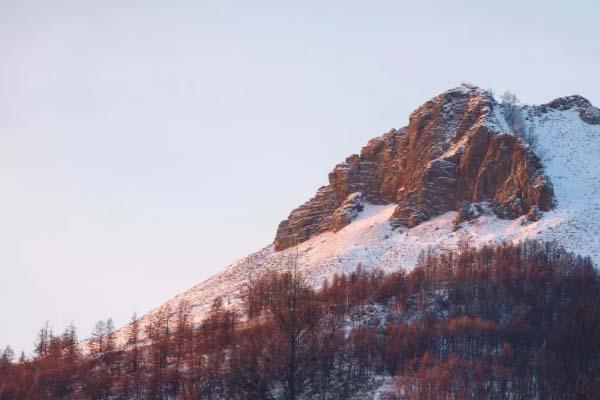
x,y
570,151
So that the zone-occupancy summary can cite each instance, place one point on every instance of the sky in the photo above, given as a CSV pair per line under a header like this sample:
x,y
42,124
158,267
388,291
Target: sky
x,y
145,145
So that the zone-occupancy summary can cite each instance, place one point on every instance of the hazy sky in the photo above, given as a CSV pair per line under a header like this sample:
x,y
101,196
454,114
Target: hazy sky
x,y
146,145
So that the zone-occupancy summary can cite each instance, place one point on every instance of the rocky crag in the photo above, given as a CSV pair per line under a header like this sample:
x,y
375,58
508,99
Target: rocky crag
x,y
458,153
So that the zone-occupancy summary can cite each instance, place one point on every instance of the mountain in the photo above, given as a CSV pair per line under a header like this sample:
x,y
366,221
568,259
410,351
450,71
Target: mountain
x,y
442,262
467,168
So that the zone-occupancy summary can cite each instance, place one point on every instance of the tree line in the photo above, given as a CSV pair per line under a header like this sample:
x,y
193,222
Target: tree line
x,y
509,321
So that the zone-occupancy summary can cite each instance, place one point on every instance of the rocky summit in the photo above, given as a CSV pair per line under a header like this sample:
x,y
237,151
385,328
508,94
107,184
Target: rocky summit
x,y
459,148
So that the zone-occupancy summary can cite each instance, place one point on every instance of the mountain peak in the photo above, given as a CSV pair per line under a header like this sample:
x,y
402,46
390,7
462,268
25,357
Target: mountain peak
x,y
457,149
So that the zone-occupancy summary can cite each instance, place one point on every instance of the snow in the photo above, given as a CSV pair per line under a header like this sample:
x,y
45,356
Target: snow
x,y
492,118
387,385
498,122
570,150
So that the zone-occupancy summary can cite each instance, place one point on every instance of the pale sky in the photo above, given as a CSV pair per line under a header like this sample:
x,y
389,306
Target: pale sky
x,y
145,145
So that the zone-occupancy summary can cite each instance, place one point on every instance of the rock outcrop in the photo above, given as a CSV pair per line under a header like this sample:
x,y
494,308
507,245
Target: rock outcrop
x,y
346,212
469,212
456,150
586,110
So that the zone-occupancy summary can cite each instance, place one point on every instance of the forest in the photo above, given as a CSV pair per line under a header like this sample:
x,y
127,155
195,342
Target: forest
x,y
506,321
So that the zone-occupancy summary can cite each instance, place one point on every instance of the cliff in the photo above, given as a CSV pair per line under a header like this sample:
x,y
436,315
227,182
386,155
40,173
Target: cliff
x,y
458,149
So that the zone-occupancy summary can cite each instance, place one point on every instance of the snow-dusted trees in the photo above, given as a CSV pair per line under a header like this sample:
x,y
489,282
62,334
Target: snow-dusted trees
x,y
511,108
513,114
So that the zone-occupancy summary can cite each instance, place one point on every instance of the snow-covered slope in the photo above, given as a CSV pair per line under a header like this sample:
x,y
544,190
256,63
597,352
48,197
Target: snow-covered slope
x,y
570,150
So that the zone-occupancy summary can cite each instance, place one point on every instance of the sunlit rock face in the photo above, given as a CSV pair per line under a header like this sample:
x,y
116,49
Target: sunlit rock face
x,y
458,149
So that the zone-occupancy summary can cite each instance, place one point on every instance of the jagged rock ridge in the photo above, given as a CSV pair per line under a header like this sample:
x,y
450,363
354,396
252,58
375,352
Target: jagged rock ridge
x,y
457,149
587,112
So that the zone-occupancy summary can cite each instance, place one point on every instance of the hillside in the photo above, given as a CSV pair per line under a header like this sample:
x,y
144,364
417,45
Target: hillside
x,y
506,191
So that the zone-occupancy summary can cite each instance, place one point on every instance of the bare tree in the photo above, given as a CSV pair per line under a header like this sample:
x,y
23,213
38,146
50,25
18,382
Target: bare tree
x,y
514,118
7,356
294,309
97,340
512,113
43,340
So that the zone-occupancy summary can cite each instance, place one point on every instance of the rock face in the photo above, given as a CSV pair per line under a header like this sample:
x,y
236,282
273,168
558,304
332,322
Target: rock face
x,y
469,212
586,110
346,212
456,150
